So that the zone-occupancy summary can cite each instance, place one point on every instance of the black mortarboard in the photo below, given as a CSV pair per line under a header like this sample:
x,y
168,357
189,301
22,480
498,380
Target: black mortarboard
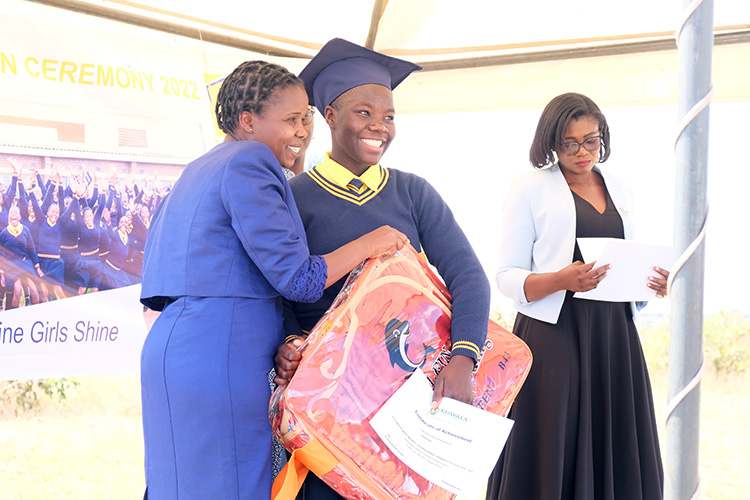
x,y
341,65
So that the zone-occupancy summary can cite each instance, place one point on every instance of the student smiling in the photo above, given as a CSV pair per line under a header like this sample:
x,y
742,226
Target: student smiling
x,y
350,192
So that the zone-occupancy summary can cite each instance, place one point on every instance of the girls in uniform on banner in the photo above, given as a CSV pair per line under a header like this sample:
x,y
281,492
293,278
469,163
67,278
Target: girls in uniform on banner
x,y
87,272
8,197
19,257
56,211
141,220
120,246
48,239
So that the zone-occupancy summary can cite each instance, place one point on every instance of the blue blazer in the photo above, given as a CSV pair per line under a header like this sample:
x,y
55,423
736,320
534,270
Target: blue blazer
x,y
538,234
228,228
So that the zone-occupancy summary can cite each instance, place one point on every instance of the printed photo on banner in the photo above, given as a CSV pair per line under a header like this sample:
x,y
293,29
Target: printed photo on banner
x,y
68,232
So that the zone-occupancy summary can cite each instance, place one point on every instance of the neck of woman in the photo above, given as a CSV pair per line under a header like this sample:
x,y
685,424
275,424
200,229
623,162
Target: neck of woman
x,y
589,178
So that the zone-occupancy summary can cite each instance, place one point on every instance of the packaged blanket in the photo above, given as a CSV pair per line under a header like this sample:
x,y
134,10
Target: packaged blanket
x,y
392,317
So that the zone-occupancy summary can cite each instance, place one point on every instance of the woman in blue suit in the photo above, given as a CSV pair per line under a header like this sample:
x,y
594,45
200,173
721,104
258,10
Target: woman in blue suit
x,y
223,248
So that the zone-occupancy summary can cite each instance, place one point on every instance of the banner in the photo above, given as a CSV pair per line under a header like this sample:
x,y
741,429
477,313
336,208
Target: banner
x,y
85,99
104,89
94,334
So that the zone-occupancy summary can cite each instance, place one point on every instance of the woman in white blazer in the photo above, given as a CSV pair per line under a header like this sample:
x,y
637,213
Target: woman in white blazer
x,y
584,420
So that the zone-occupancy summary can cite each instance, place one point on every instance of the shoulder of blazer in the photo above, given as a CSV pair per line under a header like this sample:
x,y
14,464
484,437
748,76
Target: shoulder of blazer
x,y
552,183
542,188
535,180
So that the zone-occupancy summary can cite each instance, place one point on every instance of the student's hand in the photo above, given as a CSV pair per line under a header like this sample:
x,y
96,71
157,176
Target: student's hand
x,y
454,381
14,164
580,277
659,283
40,272
286,361
79,189
384,239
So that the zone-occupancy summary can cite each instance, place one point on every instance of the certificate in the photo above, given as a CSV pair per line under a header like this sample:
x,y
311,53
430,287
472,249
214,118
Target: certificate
x,y
455,446
632,264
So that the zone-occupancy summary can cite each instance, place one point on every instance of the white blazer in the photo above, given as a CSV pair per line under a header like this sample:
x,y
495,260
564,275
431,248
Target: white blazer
x,y
538,234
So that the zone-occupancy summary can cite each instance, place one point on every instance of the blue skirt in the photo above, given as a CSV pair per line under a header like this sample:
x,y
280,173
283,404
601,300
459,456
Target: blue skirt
x,y
205,398
18,268
69,256
54,270
88,271
113,278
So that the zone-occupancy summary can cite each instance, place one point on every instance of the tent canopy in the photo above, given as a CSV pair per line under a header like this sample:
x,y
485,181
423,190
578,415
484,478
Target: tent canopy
x,y
498,46
439,34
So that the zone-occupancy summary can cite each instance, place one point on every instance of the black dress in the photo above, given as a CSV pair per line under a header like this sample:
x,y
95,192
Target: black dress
x,y
584,419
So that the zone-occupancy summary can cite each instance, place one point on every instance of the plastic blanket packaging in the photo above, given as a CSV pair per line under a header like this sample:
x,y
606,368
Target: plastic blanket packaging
x,y
391,317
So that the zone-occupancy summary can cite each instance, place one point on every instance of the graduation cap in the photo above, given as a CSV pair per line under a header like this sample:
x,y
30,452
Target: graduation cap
x,y
342,65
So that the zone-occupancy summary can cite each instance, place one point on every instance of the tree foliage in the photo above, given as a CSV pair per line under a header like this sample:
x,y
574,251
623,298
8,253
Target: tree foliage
x,y
25,395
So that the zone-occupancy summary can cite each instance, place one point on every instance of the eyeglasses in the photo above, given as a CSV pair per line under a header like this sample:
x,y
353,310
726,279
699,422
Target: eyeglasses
x,y
309,117
591,144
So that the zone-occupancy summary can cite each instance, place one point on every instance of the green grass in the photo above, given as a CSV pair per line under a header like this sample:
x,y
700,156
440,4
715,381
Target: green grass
x,y
89,446
724,433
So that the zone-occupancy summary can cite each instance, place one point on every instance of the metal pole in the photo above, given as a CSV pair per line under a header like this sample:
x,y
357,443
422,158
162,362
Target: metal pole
x,y
695,43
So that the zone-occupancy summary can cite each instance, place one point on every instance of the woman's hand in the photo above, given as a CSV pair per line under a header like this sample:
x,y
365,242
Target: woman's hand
x,y
286,361
580,277
576,277
454,381
659,283
384,239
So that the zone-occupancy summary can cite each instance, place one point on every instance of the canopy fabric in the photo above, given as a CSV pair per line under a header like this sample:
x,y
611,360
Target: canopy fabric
x,y
484,45
427,31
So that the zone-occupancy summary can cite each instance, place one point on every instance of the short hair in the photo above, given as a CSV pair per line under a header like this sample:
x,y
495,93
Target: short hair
x,y
554,121
247,88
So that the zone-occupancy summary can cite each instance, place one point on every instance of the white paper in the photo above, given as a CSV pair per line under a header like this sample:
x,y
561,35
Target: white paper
x,y
632,264
456,447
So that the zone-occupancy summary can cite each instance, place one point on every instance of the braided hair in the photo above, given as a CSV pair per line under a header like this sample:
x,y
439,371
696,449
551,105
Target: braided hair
x,y
247,88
